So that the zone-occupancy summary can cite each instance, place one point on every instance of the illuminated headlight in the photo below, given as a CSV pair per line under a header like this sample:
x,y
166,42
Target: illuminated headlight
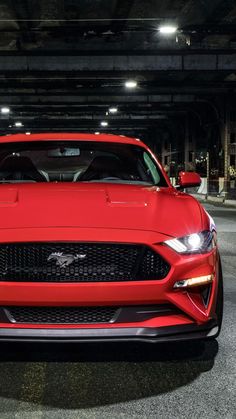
x,y
194,282
201,242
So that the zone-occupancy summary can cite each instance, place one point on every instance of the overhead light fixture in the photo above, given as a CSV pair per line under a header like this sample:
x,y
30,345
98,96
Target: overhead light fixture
x,y
18,124
5,110
113,110
131,84
167,29
104,123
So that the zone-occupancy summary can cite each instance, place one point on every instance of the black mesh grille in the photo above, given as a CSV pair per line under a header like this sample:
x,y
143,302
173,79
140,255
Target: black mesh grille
x,y
80,262
83,315
61,315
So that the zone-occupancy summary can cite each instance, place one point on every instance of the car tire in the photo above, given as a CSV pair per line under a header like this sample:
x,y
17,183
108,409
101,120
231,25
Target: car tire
x,y
219,303
219,308
220,300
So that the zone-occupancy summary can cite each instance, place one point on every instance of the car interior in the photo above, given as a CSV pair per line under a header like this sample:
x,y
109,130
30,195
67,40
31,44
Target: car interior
x,y
77,162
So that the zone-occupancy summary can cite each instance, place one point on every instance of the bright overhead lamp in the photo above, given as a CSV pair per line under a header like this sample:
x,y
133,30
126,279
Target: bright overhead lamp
x,y
113,110
167,29
5,110
104,123
131,84
18,124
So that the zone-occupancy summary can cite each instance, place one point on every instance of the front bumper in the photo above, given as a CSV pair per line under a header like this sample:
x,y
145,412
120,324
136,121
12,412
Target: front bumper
x,y
143,334
194,321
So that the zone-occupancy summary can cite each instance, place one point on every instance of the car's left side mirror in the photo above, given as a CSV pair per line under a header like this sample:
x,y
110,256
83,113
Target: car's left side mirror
x,y
188,180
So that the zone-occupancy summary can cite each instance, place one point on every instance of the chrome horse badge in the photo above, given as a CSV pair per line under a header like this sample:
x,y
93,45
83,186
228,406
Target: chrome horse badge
x,y
63,260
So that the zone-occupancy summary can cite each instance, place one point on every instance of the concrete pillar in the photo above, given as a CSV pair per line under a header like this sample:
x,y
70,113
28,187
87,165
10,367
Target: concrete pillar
x,y
193,146
208,173
226,142
186,144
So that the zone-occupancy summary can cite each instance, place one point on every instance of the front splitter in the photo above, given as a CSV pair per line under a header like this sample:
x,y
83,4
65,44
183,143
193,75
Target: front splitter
x,y
145,334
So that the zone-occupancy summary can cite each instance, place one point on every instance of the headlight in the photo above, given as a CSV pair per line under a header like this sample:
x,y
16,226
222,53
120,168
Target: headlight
x,y
201,242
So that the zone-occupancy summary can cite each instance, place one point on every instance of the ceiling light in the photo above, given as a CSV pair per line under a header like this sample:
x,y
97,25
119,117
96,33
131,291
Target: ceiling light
x,y
167,30
18,124
131,84
104,123
113,110
5,110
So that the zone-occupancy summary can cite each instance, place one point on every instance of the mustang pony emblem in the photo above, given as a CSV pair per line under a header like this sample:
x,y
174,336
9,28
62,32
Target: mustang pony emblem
x,y
63,259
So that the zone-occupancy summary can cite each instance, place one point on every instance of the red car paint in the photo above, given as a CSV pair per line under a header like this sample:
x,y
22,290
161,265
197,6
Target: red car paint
x,y
116,213
187,179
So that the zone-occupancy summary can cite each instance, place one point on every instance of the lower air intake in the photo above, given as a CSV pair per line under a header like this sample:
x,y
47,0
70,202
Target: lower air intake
x,y
60,315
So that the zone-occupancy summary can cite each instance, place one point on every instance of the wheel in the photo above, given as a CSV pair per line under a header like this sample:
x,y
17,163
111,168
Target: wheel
x,y
219,303
220,299
219,310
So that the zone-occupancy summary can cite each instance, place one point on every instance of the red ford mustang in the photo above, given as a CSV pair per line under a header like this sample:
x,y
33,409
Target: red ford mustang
x,y
96,244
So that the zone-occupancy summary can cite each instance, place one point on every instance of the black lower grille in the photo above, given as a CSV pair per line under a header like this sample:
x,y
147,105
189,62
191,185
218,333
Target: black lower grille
x,y
83,315
60,315
80,262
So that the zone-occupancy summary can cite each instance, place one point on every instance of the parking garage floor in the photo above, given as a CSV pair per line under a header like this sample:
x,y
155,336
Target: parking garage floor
x,y
129,381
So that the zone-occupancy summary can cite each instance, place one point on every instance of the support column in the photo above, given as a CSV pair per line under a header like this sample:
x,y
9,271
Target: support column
x,y
226,142
208,173
186,144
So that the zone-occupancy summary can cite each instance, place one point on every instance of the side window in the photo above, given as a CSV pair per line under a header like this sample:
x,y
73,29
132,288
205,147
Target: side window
x,y
152,169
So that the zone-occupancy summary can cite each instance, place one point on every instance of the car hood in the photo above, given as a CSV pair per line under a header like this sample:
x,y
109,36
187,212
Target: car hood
x,y
97,205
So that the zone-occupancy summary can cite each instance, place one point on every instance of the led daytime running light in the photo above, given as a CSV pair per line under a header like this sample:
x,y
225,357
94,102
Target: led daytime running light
x,y
194,282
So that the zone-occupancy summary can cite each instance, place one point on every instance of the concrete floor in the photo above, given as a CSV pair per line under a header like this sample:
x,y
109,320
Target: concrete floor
x,y
129,381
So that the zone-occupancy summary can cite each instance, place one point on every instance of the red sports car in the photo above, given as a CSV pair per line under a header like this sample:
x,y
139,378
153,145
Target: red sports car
x,y
96,244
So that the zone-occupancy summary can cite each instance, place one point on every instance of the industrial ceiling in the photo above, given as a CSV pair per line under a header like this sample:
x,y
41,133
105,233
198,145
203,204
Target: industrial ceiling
x,y
65,63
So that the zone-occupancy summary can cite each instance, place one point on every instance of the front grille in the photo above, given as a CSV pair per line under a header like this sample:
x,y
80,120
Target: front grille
x,y
83,315
60,315
80,262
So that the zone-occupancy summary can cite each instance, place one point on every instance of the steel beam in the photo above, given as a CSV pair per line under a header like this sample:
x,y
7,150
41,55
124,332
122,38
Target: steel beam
x,y
178,62
37,99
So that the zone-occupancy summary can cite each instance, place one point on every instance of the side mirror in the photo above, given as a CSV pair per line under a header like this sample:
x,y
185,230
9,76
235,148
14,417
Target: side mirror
x,y
188,180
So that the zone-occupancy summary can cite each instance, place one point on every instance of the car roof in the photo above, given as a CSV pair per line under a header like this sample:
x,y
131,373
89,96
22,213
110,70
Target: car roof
x,y
110,138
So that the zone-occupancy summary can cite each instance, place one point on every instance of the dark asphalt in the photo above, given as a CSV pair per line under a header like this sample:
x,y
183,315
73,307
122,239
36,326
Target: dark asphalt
x,y
129,381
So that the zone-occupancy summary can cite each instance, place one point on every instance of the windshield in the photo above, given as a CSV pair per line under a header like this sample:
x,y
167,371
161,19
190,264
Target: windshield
x,y
78,161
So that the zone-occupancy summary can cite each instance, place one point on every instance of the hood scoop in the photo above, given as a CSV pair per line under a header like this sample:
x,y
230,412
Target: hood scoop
x,y
8,197
119,199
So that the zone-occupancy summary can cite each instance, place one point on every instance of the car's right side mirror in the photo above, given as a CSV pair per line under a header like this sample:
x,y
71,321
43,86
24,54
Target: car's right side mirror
x,y
188,180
